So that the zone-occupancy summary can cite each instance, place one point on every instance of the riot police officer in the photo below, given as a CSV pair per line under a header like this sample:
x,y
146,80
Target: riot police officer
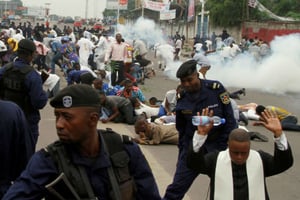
x,y
198,94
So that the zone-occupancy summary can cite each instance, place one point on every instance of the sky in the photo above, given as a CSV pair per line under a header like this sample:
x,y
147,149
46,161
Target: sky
x,y
70,7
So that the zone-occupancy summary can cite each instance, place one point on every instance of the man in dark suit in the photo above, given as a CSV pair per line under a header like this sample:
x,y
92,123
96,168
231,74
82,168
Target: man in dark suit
x,y
239,172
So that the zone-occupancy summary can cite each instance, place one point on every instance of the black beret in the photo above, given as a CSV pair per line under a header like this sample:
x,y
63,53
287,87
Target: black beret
x,y
187,68
26,45
79,95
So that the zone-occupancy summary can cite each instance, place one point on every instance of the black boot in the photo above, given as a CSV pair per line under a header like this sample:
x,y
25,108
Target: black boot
x,y
242,91
234,96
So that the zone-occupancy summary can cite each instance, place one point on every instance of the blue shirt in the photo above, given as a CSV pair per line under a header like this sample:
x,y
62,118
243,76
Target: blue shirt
x,y
56,46
191,103
74,76
41,170
38,97
16,143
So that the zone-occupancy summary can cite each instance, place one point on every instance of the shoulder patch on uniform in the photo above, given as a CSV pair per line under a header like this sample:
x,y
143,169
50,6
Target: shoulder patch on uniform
x,y
225,98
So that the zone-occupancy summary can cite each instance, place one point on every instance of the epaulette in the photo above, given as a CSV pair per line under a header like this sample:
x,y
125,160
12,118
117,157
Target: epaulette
x,y
214,85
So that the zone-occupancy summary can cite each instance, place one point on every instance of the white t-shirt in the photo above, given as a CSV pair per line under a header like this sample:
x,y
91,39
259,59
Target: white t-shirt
x,y
50,82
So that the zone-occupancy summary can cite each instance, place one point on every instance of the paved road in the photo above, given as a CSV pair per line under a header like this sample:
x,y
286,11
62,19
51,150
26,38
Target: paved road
x,y
162,158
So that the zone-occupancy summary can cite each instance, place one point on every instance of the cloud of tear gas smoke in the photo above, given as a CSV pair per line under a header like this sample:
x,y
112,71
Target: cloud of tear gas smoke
x,y
143,29
277,73
152,35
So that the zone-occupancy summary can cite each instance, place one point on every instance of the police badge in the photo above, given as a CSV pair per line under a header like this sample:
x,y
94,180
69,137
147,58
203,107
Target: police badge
x,y
67,101
225,98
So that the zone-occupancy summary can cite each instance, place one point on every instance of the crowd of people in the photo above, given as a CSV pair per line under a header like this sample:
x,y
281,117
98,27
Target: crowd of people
x,y
103,75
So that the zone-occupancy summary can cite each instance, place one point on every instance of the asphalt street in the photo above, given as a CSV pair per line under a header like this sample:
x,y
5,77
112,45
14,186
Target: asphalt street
x,y
162,158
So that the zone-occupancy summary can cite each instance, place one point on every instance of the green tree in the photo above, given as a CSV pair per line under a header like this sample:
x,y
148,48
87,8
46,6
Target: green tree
x,y
225,12
228,13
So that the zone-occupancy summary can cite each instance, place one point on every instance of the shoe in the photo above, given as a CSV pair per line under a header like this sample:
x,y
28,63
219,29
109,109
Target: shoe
x,y
243,91
257,135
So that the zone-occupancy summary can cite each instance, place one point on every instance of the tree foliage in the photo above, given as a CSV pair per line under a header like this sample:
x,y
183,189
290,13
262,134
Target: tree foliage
x,y
232,12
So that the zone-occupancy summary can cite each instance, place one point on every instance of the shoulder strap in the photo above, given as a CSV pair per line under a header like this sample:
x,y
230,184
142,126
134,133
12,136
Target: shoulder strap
x,y
115,141
121,180
9,66
25,69
76,174
112,178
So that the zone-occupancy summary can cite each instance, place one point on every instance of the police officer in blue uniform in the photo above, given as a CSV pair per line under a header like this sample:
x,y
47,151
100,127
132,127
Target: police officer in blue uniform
x,y
20,83
16,144
76,108
198,94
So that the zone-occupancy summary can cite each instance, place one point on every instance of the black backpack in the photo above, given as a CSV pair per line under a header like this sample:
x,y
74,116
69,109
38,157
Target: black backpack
x,y
122,183
12,86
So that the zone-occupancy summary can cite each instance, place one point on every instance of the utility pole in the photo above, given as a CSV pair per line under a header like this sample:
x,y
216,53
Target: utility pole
x,y
202,17
143,8
47,9
118,15
247,10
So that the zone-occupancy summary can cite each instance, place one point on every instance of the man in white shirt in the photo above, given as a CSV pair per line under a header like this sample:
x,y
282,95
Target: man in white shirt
x,y
85,50
100,50
178,46
117,53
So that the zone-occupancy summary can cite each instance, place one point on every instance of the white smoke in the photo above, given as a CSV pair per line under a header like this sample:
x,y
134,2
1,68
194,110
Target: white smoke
x,y
278,73
143,29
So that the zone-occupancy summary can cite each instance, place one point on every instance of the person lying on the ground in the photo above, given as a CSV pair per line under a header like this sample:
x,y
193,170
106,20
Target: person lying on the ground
x,y
239,116
116,109
287,119
141,108
154,102
150,133
248,111
169,103
166,119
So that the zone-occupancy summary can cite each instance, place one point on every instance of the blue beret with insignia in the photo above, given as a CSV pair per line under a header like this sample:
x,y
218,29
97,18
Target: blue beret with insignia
x,y
79,95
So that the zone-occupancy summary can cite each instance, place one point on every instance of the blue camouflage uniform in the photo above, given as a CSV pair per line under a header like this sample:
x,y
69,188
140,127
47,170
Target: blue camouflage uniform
x,y
16,144
213,95
38,97
41,170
